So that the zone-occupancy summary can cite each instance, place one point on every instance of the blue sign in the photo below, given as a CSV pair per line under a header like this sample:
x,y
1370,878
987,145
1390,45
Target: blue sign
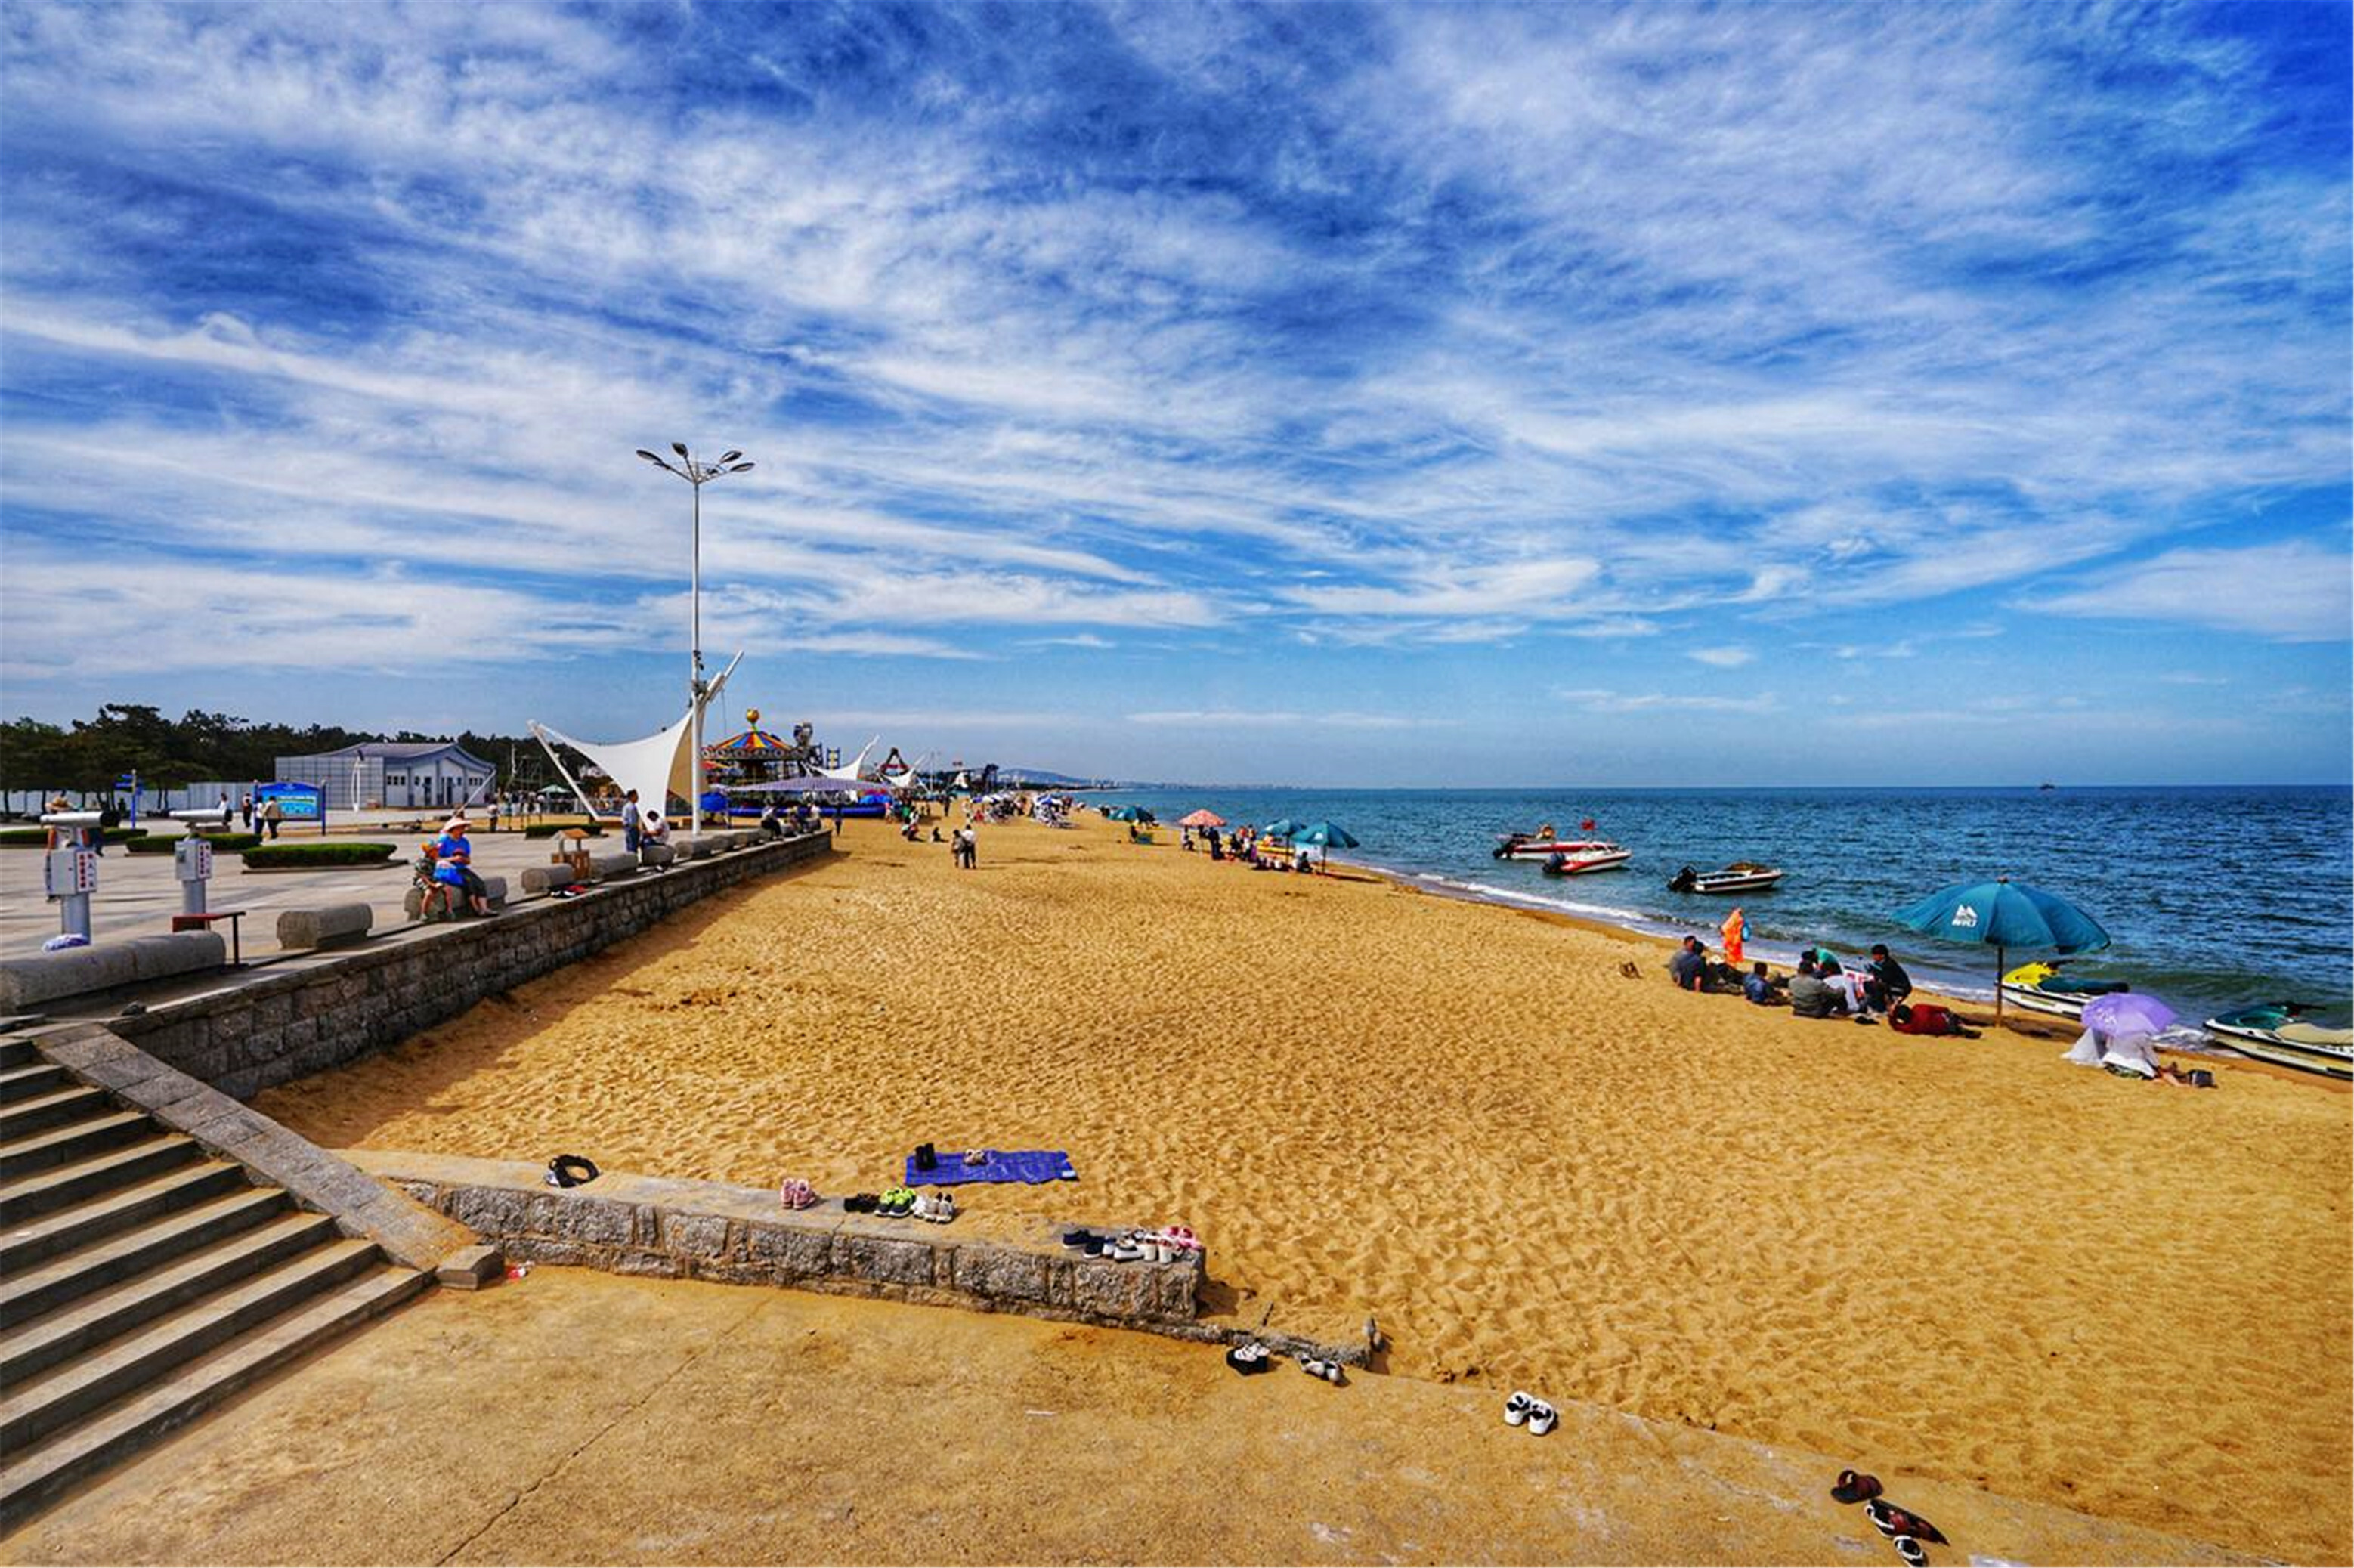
x,y
296,802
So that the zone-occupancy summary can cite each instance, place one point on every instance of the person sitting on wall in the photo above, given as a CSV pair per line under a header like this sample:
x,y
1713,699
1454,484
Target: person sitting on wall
x,y
453,864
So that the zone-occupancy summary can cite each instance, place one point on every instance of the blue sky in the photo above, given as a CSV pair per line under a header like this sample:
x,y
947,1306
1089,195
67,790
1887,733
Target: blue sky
x,y
1416,394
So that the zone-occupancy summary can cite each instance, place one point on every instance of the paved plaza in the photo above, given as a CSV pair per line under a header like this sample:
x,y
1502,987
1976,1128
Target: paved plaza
x,y
138,895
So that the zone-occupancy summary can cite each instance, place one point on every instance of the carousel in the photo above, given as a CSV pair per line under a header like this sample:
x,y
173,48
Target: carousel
x,y
743,772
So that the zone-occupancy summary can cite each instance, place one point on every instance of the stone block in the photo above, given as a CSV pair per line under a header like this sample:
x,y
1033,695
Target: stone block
x,y
1175,1291
784,1248
694,1236
883,1260
472,1267
732,1270
1111,1289
595,1222
609,866
302,929
177,953
1000,1273
648,1265
28,981
489,1210
657,855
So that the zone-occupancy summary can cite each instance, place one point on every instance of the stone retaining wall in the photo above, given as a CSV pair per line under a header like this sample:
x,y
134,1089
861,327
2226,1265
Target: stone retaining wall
x,y
283,1026
742,1235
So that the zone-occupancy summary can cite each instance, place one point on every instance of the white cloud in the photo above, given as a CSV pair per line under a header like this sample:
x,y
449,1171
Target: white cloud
x,y
1596,701
1725,658
2293,591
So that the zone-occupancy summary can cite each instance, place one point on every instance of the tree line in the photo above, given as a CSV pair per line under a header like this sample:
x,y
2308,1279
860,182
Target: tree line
x,y
91,754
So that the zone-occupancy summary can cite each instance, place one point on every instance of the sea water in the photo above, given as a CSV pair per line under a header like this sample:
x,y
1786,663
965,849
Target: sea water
x,y
2215,897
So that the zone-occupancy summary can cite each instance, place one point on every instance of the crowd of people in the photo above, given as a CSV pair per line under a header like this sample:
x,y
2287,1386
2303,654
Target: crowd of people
x,y
1820,986
1248,846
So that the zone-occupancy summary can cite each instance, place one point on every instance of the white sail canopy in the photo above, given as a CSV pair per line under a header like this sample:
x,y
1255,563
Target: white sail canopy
x,y
657,766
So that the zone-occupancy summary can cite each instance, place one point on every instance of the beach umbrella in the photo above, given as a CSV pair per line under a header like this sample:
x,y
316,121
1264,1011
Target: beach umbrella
x,y
1205,818
2127,1012
1281,828
1326,835
1120,813
2004,914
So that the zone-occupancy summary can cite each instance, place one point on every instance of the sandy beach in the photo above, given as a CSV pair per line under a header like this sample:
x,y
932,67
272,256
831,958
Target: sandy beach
x,y
1967,1260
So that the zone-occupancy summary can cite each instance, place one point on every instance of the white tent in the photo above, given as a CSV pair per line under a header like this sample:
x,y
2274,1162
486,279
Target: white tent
x,y
656,766
2131,1052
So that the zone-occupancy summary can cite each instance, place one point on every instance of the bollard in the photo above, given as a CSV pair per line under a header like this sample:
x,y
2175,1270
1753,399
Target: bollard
x,y
70,876
191,862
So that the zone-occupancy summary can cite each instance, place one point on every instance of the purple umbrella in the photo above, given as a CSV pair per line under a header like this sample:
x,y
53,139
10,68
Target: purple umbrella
x,y
2127,1012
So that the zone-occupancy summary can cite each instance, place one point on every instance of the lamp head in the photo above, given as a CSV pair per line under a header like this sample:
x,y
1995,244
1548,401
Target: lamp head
x,y
679,446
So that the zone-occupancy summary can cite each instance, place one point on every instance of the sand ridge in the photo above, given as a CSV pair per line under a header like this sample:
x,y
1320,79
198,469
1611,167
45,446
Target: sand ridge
x,y
1966,1259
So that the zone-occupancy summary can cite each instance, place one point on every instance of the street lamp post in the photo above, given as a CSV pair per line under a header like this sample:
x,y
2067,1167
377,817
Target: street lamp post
x,y
697,474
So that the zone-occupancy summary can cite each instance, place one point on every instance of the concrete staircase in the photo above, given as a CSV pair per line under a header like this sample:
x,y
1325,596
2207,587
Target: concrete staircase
x,y
142,1282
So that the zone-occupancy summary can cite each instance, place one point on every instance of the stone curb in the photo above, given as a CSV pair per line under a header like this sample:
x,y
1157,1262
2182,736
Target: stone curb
x,y
655,1226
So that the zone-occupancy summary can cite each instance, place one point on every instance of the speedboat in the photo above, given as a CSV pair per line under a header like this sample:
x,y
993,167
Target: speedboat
x,y
2278,1032
1563,857
2041,987
1576,857
1740,876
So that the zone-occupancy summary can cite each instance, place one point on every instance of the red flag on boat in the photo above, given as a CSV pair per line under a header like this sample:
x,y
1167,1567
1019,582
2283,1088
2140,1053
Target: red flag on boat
x,y
1586,826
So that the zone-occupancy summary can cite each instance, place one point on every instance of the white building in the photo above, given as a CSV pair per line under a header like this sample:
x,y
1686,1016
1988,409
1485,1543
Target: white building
x,y
394,775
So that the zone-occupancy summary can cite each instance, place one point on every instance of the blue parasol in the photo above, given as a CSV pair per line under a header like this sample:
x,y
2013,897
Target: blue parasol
x,y
2004,914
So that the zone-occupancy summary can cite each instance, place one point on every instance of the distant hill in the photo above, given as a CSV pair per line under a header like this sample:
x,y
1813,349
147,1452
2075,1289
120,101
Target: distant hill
x,y
1037,775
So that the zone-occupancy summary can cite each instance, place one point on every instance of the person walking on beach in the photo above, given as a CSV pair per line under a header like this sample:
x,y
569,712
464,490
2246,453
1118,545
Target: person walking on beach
x,y
632,831
245,810
272,814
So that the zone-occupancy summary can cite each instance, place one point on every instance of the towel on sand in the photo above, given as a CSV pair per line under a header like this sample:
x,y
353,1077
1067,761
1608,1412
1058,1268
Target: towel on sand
x,y
1031,1165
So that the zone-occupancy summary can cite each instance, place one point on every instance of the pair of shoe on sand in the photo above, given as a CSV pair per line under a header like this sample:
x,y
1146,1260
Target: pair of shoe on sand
x,y
1905,1530
1528,1410
1253,1357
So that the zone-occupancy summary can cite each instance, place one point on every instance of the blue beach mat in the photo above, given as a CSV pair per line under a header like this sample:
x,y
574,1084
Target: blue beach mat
x,y
1031,1165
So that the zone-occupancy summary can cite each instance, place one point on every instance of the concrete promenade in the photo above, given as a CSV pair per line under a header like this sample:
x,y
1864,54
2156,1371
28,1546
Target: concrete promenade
x,y
138,895
577,1417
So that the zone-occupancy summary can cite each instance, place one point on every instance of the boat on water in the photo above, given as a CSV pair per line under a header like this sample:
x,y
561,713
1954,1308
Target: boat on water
x,y
2039,987
1579,856
1561,856
2280,1033
1740,876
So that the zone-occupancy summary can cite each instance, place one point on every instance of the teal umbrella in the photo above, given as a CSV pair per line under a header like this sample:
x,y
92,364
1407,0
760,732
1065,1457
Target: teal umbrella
x,y
2004,914
1327,834
1281,828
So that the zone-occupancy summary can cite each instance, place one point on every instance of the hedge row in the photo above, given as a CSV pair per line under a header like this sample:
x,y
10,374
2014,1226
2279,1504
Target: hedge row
x,y
318,854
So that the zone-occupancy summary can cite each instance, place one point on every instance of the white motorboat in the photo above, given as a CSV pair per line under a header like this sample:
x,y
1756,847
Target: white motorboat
x,y
1561,856
1740,876
1576,857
